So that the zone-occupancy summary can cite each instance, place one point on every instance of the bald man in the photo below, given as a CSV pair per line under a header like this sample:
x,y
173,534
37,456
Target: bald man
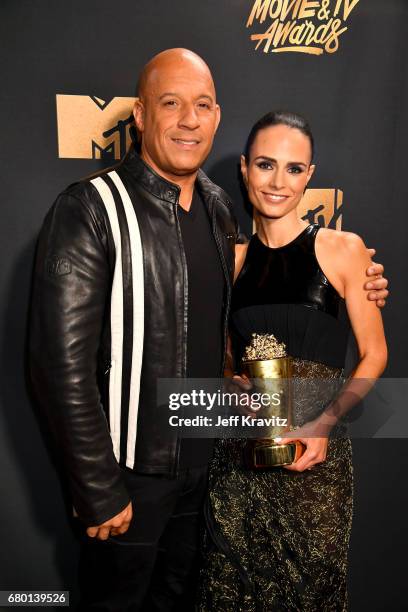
x,y
132,283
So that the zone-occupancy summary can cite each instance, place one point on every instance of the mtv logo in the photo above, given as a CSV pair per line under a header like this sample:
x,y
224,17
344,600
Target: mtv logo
x,y
91,128
322,206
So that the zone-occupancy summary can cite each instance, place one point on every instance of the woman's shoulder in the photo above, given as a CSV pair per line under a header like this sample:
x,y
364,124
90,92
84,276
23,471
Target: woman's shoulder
x,y
342,256
340,241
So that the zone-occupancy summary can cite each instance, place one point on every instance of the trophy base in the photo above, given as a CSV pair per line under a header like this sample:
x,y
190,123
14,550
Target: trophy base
x,y
264,454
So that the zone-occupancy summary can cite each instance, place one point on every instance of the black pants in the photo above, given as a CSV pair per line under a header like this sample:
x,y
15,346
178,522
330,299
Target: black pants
x,y
154,565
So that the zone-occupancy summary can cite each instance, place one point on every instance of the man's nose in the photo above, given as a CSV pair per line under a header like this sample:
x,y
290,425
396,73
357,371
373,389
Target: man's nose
x,y
188,117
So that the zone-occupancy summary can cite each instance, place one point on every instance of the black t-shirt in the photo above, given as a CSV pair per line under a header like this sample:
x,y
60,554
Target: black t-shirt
x,y
206,286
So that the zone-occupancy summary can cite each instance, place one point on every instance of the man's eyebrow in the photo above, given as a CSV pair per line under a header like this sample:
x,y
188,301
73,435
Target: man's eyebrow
x,y
272,159
170,93
205,96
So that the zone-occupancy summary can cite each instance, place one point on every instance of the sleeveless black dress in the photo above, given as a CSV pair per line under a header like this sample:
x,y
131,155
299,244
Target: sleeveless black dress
x,y
278,540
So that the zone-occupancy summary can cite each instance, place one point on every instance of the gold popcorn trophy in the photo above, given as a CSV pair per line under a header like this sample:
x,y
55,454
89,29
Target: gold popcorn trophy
x,y
266,361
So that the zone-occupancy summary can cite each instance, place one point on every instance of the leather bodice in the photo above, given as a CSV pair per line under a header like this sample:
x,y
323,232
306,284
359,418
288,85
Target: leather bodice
x,y
285,292
288,274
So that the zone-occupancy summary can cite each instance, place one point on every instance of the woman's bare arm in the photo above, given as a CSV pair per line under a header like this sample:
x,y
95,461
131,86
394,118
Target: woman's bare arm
x,y
240,254
348,259
344,259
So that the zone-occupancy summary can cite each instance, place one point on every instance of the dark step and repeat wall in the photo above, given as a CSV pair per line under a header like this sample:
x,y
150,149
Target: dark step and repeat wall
x,y
69,73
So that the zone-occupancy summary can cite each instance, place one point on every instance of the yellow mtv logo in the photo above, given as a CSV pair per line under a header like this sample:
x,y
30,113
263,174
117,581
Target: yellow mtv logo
x,y
90,128
323,206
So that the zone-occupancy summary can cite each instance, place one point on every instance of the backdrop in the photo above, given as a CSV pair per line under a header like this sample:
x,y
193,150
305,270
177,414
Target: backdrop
x,y
69,75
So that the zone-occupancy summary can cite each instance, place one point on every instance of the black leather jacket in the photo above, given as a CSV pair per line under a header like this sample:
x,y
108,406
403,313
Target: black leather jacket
x,y
71,327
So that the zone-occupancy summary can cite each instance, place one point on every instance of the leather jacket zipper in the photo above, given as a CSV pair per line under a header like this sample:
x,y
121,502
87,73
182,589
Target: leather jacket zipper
x,y
185,321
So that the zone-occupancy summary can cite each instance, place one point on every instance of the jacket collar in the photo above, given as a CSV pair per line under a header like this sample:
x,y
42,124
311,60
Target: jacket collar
x,y
163,189
209,189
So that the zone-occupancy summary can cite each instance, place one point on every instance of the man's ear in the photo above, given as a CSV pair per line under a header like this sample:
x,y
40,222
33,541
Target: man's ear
x,y
244,171
138,113
217,117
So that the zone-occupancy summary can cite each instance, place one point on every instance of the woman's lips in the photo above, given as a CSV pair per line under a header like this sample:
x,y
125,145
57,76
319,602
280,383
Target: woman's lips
x,y
274,197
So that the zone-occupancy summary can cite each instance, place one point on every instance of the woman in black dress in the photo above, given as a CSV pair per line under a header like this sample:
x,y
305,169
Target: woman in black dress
x,y
277,540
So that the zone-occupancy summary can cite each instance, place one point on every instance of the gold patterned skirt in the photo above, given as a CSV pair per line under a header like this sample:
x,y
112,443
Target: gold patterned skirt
x,y
278,540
